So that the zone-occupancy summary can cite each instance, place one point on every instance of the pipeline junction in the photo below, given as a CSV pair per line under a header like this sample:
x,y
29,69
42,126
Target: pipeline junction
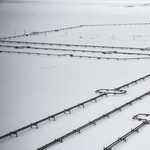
x,y
136,129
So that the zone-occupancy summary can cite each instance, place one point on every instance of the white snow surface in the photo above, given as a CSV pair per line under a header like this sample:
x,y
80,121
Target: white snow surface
x,y
33,87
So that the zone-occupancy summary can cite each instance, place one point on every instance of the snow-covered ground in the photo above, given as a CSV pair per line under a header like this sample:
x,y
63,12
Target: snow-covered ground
x,y
33,87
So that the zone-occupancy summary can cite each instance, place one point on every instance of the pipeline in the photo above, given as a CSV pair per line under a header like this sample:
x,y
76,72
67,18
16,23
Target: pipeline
x,y
73,27
136,129
78,130
75,45
103,92
43,32
74,50
75,56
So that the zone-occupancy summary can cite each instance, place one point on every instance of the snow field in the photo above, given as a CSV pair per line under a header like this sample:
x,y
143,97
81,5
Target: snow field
x,y
69,92
33,87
